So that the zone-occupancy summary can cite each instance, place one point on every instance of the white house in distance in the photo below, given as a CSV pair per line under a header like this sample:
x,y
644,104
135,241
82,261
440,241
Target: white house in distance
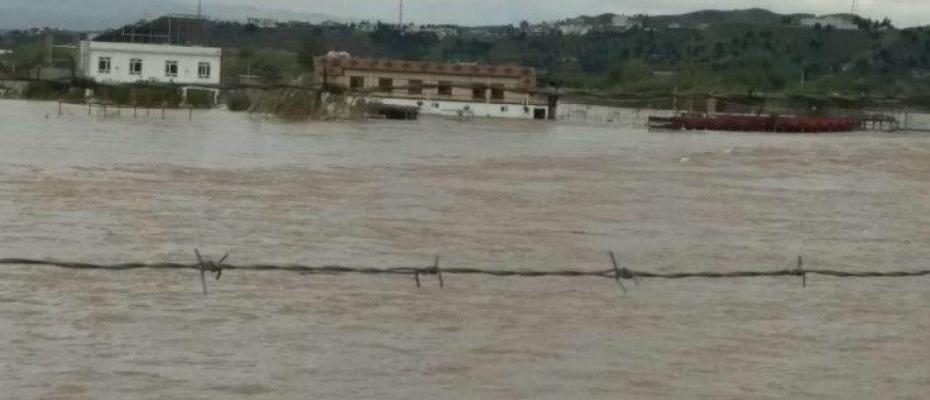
x,y
838,22
117,63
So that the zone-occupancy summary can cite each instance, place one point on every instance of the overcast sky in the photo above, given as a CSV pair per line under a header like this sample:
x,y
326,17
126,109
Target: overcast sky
x,y
472,12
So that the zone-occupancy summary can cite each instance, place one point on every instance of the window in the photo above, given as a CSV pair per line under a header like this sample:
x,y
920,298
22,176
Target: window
x,y
415,86
103,65
356,82
135,66
539,113
497,92
445,88
203,70
505,109
479,93
171,69
386,84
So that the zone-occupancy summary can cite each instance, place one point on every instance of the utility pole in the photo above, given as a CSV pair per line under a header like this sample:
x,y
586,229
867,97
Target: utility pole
x,y
200,8
401,18
853,6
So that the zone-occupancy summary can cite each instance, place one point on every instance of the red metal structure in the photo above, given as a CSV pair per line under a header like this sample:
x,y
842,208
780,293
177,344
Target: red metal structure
x,y
756,123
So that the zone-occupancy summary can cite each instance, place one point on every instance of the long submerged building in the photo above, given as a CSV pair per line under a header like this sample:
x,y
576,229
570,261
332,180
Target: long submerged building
x,y
500,91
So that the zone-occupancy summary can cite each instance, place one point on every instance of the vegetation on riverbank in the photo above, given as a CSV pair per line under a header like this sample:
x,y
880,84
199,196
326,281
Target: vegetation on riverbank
x,y
298,104
147,95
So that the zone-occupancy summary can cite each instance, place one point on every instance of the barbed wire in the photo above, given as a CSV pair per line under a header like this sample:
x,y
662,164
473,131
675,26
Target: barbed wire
x,y
618,273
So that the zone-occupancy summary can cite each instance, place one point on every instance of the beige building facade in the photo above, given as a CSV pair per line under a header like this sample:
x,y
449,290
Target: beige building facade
x,y
505,91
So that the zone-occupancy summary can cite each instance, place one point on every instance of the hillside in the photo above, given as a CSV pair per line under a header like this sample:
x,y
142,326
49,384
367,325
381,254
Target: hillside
x,y
694,20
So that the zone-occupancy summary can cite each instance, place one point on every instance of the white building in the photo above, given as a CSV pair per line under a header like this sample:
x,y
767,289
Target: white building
x,y
623,22
365,26
441,32
574,29
838,22
134,62
263,23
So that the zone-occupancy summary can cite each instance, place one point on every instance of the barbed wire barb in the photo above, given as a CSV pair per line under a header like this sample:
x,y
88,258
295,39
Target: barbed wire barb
x,y
617,274
203,278
442,284
801,271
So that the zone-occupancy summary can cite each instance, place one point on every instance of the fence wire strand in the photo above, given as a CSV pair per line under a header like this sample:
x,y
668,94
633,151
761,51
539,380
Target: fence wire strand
x,y
613,273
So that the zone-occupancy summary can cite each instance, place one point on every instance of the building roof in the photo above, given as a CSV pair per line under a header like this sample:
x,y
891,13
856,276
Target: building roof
x,y
337,65
153,48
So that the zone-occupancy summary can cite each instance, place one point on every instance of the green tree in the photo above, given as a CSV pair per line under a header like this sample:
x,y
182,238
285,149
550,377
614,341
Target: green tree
x,y
310,48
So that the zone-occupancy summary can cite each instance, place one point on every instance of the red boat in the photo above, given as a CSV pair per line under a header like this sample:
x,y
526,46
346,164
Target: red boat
x,y
745,123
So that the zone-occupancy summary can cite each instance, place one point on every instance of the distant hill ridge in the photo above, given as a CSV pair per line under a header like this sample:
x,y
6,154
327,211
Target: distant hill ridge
x,y
108,14
753,16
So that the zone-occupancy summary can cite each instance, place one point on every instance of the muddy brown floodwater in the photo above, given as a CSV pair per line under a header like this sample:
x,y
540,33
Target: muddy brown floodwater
x,y
480,194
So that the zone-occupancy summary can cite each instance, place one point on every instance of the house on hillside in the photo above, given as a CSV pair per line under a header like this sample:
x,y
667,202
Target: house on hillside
x,y
502,91
574,29
541,29
263,23
623,22
441,31
838,22
365,26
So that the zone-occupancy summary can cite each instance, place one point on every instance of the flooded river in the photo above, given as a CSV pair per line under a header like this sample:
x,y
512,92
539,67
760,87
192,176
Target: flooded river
x,y
492,194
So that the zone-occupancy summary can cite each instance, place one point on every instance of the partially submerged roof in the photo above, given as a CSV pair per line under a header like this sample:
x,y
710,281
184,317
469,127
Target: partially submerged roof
x,y
337,65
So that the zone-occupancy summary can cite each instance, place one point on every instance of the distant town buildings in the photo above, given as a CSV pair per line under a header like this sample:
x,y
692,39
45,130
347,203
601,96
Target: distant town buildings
x,y
441,31
838,22
607,23
575,29
503,91
365,26
264,23
624,22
